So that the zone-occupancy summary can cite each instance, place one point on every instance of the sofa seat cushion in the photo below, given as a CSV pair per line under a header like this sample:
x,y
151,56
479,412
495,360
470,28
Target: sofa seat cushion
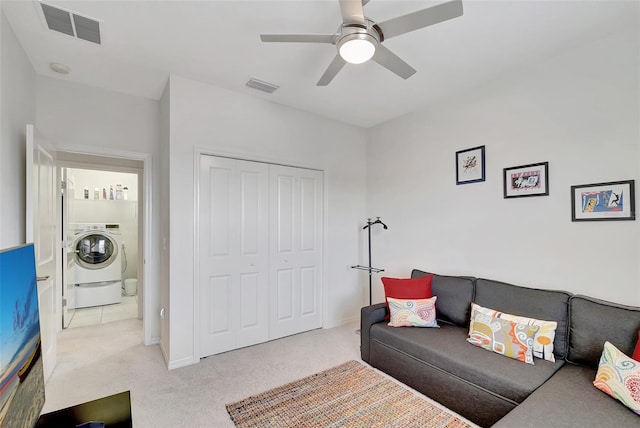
x,y
570,400
446,348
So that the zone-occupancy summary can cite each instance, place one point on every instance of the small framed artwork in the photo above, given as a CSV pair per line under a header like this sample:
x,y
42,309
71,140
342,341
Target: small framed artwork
x,y
603,201
526,180
470,165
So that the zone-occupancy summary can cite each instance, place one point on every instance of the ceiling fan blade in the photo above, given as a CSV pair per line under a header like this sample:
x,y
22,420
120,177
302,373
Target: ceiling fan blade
x,y
331,72
392,62
352,11
298,38
420,19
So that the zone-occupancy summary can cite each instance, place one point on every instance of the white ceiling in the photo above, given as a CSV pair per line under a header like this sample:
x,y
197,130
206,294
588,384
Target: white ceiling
x,y
217,42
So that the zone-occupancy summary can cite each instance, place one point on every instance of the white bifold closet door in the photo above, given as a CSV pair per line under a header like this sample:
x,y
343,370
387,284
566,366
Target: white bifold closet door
x,y
260,252
295,256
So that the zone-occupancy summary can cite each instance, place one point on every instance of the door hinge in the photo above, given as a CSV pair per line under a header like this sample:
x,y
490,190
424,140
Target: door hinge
x,y
63,185
64,302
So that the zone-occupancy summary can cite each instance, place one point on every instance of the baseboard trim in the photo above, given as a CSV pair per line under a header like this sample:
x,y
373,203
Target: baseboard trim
x,y
165,354
343,321
183,362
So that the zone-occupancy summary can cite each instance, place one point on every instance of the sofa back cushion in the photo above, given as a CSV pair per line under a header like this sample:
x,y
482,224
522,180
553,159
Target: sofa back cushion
x,y
455,294
595,321
548,305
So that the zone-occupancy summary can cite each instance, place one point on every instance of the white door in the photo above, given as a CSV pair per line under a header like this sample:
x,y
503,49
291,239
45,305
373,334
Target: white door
x,y
295,297
41,230
67,253
233,245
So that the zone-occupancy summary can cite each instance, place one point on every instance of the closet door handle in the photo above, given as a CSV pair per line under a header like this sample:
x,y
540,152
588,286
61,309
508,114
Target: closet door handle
x,y
42,278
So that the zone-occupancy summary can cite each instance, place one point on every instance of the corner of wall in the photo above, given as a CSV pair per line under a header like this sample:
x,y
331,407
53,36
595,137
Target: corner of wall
x,y
164,218
17,89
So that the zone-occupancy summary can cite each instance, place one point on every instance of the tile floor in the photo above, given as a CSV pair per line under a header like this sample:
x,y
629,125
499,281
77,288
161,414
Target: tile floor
x,y
126,309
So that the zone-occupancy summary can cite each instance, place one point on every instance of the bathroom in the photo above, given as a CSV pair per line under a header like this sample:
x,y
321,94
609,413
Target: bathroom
x,y
101,218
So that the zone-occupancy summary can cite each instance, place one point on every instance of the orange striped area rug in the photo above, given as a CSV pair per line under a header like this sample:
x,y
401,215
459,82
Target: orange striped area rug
x,y
349,395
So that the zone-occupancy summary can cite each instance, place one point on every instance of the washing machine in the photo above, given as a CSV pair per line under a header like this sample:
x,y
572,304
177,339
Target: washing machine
x,y
97,255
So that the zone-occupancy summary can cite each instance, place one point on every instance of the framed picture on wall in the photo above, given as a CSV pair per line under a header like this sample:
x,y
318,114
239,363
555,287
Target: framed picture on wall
x,y
603,201
526,180
470,165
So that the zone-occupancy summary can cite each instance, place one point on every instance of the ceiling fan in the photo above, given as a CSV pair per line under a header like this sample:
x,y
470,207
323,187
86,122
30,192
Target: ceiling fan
x,y
359,38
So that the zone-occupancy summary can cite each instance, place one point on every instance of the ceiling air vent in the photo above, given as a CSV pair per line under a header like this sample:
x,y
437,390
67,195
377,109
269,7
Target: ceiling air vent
x,y
262,85
70,23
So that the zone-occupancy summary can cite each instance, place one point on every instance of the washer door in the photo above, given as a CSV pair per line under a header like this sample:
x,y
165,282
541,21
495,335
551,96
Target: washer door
x,y
95,250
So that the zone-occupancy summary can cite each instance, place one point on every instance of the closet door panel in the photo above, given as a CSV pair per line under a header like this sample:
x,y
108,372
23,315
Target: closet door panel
x,y
308,215
285,297
253,237
217,260
250,212
218,296
285,213
308,294
296,231
249,296
233,241
220,204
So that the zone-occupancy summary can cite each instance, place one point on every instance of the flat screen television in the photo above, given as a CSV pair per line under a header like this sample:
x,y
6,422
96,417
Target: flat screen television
x,y
21,373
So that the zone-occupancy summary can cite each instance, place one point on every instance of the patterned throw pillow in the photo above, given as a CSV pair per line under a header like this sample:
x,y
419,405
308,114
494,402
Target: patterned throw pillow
x,y
542,342
619,376
413,313
504,337
406,288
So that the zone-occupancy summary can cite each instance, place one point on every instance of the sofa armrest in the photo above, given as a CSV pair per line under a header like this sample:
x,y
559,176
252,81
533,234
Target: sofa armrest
x,y
369,315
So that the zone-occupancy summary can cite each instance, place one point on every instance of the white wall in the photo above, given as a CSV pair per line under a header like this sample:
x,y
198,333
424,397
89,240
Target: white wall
x,y
165,203
17,108
579,111
224,122
83,119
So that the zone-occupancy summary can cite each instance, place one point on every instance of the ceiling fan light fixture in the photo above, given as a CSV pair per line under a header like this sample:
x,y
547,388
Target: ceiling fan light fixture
x,y
357,48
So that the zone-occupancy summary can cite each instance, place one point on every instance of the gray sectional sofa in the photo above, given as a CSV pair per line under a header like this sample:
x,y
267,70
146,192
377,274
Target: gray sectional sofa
x,y
493,390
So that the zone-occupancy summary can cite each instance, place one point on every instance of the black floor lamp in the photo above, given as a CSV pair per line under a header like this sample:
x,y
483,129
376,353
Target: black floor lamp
x,y
369,268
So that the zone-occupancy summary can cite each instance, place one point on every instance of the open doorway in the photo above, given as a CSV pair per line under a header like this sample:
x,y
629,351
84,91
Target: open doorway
x,y
102,228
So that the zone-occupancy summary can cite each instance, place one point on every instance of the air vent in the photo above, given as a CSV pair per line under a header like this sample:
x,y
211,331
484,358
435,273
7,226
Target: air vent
x,y
70,23
262,85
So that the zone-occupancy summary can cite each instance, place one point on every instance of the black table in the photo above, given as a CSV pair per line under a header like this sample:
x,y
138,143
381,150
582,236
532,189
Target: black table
x,y
114,411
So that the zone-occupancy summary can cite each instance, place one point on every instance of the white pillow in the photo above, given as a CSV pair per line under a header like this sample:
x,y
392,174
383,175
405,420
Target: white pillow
x,y
413,312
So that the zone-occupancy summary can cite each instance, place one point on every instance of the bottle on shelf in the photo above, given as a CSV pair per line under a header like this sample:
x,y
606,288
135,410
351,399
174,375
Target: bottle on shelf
x,y
86,193
119,192
111,193
104,193
125,193
96,193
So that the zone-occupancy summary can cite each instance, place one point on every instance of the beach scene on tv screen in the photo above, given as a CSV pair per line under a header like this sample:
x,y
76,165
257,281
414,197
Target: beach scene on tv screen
x,y
21,374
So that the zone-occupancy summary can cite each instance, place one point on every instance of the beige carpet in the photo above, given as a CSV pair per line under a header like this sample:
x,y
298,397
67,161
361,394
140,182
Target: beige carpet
x,y
105,359
351,394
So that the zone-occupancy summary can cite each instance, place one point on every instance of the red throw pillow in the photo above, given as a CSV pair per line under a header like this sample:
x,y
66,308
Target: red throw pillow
x,y
636,352
409,288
